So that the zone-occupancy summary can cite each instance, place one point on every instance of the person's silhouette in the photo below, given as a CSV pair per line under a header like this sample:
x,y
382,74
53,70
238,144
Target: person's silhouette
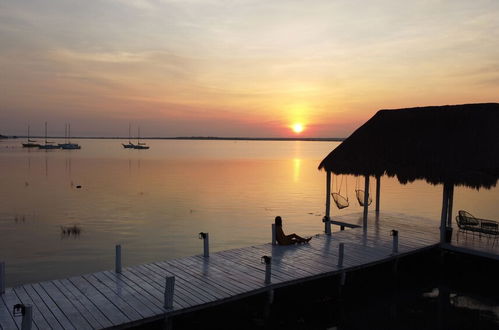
x,y
283,239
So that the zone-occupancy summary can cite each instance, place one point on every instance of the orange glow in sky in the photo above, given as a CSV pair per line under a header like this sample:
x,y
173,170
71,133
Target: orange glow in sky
x,y
238,69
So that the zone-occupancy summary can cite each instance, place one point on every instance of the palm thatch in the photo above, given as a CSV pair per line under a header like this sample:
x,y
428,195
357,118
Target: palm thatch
x,y
457,144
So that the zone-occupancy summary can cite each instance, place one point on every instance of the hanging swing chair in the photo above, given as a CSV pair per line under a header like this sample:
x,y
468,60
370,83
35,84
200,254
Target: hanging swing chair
x,y
340,201
360,194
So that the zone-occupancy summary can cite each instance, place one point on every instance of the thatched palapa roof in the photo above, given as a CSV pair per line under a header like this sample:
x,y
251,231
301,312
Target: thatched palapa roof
x,y
456,144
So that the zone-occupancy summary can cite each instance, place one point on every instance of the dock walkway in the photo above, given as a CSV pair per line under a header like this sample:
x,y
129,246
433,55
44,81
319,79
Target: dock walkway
x,y
136,296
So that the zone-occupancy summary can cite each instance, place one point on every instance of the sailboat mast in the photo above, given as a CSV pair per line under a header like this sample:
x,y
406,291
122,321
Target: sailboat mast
x,y
138,135
45,132
28,133
129,133
69,133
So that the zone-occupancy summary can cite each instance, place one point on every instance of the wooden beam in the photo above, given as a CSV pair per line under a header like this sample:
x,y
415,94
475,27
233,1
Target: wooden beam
x,y
327,217
366,200
450,204
443,218
378,190
328,195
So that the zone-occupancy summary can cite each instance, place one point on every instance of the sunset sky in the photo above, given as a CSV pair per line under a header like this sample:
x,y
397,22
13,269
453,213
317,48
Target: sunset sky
x,y
238,68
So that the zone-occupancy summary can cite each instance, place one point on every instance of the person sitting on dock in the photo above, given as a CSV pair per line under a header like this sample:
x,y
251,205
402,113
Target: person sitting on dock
x,y
283,239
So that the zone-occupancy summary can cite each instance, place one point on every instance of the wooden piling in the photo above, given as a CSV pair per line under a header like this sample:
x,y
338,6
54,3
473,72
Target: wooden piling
x,y
341,251
2,277
395,241
27,320
118,259
169,290
274,240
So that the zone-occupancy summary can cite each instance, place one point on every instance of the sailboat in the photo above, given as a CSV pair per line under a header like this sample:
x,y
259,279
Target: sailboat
x,y
130,145
139,144
30,143
48,144
67,135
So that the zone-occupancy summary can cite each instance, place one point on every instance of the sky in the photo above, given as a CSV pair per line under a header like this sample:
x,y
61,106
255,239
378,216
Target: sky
x,y
238,68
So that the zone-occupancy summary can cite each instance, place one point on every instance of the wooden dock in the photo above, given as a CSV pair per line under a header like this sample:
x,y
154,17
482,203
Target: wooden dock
x,y
136,295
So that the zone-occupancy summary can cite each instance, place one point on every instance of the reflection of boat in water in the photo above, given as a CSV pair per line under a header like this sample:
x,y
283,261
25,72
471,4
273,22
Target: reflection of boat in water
x,y
30,143
139,144
129,145
48,144
68,145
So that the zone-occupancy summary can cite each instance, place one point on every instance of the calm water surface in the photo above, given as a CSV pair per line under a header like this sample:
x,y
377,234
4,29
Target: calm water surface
x,y
154,202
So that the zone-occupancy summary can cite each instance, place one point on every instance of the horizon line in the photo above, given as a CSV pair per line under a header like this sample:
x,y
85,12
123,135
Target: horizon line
x,y
186,138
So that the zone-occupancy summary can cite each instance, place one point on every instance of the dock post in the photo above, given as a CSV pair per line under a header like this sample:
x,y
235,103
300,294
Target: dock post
x,y
27,319
169,290
118,259
206,244
274,240
395,246
328,226
378,191
341,251
268,268
366,202
2,277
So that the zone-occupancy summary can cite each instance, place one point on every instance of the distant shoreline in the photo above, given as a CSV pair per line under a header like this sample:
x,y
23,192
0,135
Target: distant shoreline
x,y
209,138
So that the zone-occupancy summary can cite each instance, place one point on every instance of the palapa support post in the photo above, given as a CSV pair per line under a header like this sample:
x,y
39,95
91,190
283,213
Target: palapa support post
x,y
27,319
366,201
450,202
169,290
118,259
443,219
341,252
206,244
274,240
327,223
268,268
2,277
378,191
327,216
395,242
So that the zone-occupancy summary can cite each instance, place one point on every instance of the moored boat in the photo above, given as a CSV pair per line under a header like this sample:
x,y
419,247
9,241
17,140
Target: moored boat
x,y
140,145
30,143
68,145
48,144
129,145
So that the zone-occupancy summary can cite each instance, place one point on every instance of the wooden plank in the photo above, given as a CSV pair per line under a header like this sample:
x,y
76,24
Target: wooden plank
x,y
256,269
129,294
66,306
152,288
59,315
38,318
159,284
10,299
89,316
209,269
108,308
6,319
130,307
207,274
42,307
180,283
202,285
152,303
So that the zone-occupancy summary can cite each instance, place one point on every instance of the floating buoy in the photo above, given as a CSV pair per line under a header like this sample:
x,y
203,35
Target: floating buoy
x,y
78,186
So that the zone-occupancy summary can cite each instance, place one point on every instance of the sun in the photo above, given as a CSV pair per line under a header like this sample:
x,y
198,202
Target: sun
x,y
297,128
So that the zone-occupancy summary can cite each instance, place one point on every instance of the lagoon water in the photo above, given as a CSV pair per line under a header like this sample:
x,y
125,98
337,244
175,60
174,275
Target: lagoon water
x,y
155,202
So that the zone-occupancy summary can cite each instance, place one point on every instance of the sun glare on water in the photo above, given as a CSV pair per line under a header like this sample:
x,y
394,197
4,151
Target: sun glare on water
x,y
297,128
